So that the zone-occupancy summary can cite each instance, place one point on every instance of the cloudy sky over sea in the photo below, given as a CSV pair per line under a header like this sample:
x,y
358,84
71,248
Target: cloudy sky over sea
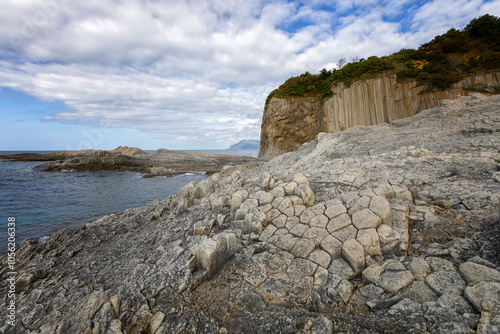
x,y
190,74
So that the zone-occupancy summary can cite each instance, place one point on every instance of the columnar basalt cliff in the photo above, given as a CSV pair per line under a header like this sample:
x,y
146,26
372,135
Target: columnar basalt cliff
x,y
290,122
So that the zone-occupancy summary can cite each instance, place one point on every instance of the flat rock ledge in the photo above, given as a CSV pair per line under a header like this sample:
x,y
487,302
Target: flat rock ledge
x,y
384,229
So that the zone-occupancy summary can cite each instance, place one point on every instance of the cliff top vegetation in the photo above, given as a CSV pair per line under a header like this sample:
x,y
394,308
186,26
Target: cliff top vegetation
x,y
436,65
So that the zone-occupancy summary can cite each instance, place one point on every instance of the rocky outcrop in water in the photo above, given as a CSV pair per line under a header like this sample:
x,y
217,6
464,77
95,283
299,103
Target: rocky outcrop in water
x,y
288,123
132,159
383,229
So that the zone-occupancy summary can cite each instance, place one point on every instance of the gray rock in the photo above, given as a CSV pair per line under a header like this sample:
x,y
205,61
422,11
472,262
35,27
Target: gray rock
x,y
319,221
278,192
368,238
273,213
360,204
238,198
332,246
299,178
260,288
371,291
263,197
333,211
436,264
393,281
315,234
321,276
381,207
441,281
289,188
303,248
341,268
318,209
301,268
485,296
455,303
279,262
322,325
373,273
339,222
420,292
249,204
345,290
291,222
489,322
320,257
287,242
286,207
473,272
388,238
298,209
268,232
299,230
305,192
280,221
306,216
394,265
366,219
352,253
346,233
419,268
213,253
406,306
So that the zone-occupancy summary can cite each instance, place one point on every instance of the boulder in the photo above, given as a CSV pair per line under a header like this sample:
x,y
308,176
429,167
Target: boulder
x,y
473,272
485,296
352,253
366,219
212,254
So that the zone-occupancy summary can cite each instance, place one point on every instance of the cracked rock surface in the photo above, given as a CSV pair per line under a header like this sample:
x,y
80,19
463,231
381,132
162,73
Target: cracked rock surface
x,y
383,229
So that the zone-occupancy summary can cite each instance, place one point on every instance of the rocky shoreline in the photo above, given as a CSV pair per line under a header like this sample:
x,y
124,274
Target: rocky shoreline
x,y
382,229
129,159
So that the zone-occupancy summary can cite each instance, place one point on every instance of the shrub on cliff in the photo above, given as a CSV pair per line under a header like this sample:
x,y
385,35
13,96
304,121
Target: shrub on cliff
x,y
435,65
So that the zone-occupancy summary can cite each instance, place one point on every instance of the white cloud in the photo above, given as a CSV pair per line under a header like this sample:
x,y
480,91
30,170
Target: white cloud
x,y
197,69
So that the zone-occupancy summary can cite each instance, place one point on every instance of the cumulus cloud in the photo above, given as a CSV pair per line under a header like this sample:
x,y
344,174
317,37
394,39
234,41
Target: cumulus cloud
x,y
197,70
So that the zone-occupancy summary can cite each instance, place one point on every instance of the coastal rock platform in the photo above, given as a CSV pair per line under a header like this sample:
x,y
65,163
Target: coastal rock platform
x,y
392,228
163,162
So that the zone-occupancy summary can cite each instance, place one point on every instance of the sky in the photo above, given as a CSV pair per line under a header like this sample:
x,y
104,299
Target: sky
x,y
184,75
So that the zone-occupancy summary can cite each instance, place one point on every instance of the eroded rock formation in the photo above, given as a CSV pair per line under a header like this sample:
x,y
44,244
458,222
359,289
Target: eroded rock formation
x,y
381,229
289,123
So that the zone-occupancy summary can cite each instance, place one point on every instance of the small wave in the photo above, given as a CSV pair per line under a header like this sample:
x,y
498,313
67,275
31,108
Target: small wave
x,y
45,237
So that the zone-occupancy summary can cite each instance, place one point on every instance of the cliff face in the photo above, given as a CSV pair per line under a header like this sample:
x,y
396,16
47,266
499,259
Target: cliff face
x,y
289,123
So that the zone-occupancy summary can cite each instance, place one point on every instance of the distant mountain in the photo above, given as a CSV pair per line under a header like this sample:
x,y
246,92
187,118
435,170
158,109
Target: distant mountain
x,y
249,144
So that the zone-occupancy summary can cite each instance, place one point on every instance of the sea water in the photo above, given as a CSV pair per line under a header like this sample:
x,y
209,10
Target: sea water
x,y
43,202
